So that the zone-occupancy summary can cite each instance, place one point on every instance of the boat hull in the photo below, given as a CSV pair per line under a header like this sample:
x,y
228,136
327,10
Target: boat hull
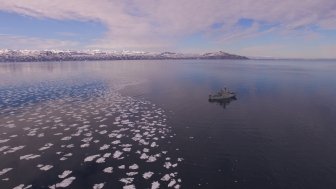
x,y
221,97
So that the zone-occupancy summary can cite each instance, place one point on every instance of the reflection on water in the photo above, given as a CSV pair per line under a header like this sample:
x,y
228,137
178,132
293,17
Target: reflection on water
x,y
223,102
147,124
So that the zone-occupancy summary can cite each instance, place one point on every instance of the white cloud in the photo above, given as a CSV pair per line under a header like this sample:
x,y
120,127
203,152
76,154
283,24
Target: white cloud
x,y
159,24
285,51
22,42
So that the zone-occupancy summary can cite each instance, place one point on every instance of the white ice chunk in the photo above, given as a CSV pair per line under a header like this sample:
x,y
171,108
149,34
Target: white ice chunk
x,y
4,140
98,186
91,158
104,147
153,144
151,159
144,156
166,177
100,160
108,170
107,155
46,146
5,170
65,174
29,156
46,167
129,187
127,180
121,167
147,175
65,183
155,185
116,142
14,149
131,173
66,138
172,183
167,165
117,154
85,145
134,166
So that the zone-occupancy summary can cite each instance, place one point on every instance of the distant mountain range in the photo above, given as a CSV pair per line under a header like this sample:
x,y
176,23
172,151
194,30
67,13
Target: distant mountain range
x,y
69,55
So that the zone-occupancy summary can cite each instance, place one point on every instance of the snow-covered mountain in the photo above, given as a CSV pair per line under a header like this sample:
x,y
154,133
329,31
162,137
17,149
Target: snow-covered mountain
x,y
7,55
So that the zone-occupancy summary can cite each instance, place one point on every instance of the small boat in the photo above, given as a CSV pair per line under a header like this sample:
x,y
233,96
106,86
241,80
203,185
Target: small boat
x,y
222,95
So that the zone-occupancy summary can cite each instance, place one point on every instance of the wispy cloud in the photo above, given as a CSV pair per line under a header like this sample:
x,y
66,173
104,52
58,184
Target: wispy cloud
x,y
22,42
155,24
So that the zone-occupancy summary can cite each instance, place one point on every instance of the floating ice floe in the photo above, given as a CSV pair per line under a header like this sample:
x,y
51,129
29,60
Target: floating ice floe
x,y
117,154
100,160
66,138
127,180
68,154
144,156
147,175
29,156
155,185
131,173
134,166
107,155
115,142
153,144
46,146
166,177
85,145
151,159
172,183
14,149
4,140
108,170
167,165
104,147
91,158
5,170
46,167
129,187
22,186
3,148
65,183
177,186
98,186
65,174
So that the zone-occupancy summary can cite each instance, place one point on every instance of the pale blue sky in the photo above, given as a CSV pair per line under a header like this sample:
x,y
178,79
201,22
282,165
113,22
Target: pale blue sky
x,y
305,29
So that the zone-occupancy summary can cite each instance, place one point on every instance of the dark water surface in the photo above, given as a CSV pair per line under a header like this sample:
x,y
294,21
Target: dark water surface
x,y
75,124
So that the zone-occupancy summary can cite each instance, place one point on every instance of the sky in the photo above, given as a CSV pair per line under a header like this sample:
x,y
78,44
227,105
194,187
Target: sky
x,y
256,28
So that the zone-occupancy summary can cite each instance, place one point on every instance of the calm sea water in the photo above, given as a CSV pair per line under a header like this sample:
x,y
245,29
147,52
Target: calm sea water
x,y
148,124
